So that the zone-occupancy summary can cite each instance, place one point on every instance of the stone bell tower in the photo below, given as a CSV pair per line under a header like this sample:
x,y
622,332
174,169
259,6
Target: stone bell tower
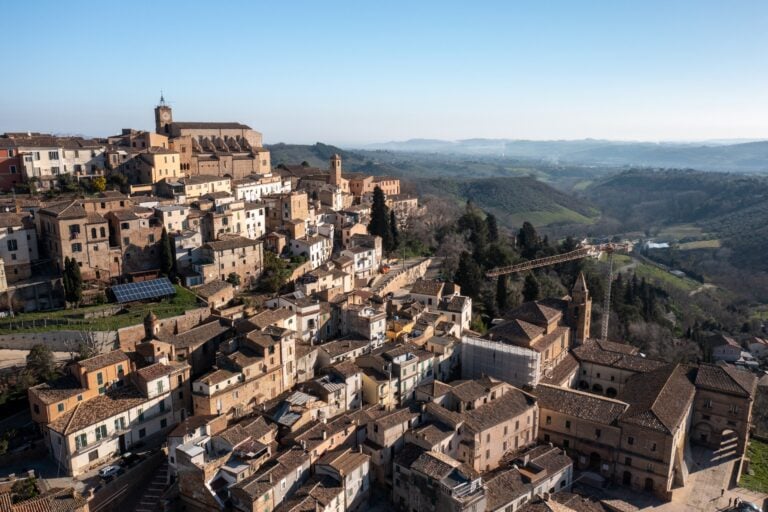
x,y
580,310
163,117
335,178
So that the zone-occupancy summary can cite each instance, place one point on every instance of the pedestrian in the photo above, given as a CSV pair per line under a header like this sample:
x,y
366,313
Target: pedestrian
x,y
722,492
730,500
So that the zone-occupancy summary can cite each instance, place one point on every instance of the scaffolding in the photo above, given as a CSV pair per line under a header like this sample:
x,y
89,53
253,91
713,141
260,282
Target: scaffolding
x,y
518,366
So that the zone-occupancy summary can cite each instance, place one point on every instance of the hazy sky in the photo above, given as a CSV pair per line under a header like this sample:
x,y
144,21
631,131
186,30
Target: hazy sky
x,y
355,72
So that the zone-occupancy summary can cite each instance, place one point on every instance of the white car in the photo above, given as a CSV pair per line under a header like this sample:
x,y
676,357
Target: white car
x,y
109,471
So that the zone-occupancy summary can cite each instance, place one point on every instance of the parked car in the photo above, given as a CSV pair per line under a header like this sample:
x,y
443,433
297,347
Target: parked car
x,y
746,506
128,459
108,472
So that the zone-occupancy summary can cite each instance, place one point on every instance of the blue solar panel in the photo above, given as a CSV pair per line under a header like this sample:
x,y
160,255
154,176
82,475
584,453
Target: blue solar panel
x,y
153,289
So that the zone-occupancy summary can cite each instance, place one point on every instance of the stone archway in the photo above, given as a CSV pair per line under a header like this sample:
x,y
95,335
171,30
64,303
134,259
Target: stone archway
x,y
648,486
703,433
611,392
597,388
584,385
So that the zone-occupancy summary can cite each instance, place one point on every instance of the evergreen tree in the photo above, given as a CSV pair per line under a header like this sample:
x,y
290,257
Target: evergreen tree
x,y
73,281
493,227
469,275
502,294
40,362
66,281
393,229
166,254
276,272
528,241
530,288
379,224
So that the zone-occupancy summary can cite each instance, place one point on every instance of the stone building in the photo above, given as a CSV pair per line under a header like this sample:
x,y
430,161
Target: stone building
x,y
220,149
68,230
233,254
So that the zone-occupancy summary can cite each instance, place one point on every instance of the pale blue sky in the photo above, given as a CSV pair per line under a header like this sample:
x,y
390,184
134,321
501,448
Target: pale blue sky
x,y
356,72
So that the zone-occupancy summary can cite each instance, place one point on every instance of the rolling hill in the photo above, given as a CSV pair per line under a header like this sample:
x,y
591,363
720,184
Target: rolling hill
x,y
750,157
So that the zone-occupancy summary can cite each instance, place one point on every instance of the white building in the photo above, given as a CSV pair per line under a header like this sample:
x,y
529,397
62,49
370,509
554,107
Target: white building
x,y
174,218
316,248
18,245
255,220
253,188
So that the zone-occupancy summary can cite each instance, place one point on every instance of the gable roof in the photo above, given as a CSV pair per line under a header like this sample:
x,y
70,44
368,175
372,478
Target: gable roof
x,y
579,404
726,379
659,400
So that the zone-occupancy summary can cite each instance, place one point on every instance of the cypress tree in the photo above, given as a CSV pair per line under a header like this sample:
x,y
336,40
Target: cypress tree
x,y
502,294
469,275
530,288
379,224
493,227
166,254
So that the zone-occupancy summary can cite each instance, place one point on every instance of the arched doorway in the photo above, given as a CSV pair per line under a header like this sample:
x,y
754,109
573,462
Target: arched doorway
x,y
626,478
597,388
648,485
611,392
583,385
594,461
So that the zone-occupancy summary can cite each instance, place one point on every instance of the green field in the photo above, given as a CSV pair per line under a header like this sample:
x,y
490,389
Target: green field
x,y
559,215
701,244
678,231
655,274
758,466
132,314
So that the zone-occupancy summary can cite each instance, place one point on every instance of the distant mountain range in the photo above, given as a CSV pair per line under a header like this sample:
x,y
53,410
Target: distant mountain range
x,y
736,156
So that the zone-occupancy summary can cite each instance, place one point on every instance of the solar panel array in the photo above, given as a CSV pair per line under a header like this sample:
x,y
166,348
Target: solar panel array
x,y
153,289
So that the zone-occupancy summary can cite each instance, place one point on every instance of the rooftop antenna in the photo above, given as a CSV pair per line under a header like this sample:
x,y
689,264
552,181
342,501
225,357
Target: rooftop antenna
x,y
162,99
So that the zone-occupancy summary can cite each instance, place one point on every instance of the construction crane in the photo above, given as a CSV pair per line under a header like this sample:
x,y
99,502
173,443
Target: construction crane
x,y
583,251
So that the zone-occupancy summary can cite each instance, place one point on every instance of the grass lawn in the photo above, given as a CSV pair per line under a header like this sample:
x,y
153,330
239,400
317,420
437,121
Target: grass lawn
x,y
131,315
701,244
758,465
654,274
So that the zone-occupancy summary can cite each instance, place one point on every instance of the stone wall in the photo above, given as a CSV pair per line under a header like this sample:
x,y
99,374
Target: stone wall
x,y
129,336
398,277
57,341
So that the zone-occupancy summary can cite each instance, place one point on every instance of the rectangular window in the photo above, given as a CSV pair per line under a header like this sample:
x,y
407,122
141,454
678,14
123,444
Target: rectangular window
x,y
568,424
81,441
99,378
630,440
142,433
160,386
12,245
101,432
162,406
549,420
566,443
141,414
120,423
53,155
628,461
77,247
60,407
163,423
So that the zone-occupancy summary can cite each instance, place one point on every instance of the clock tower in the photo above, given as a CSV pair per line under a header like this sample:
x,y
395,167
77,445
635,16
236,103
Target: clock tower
x,y
163,117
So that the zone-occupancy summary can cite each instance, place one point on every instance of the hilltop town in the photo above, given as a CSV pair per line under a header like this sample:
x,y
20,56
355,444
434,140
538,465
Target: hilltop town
x,y
244,336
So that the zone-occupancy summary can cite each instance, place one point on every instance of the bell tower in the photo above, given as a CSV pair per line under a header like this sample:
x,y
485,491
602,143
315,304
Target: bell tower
x,y
163,117
580,310
335,178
